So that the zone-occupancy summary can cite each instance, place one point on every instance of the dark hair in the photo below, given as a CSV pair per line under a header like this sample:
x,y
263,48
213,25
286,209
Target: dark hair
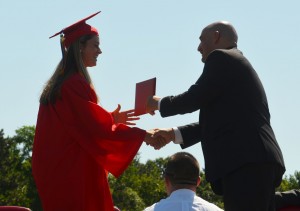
x,y
182,168
70,63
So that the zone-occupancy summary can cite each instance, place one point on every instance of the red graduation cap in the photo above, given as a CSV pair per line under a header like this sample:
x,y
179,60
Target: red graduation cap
x,y
76,30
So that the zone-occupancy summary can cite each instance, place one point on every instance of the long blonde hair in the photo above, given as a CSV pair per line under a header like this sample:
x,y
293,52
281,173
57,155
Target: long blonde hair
x,y
70,63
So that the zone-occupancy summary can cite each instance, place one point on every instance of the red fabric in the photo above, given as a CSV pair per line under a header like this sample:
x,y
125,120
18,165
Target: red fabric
x,y
73,34
76,30
290,208
76,143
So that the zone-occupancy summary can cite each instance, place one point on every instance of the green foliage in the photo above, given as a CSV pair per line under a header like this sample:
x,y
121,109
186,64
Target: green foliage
x,y
144,179
138,187
128,199
24,138
16,182
290,182
11,183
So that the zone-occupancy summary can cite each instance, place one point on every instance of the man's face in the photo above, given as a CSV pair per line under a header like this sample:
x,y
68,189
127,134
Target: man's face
x,y
206,45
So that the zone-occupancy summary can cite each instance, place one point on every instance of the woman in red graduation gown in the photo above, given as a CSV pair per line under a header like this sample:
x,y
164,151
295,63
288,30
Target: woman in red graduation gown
x,y
77,142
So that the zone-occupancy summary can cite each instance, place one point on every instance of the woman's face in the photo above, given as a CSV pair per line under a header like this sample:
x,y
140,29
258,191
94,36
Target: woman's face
x,y
90,51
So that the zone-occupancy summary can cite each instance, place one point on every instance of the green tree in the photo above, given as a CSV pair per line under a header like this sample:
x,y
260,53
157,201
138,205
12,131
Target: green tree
x,y
151,187
290,182
127,199
24,138
11,189
16,182
144,179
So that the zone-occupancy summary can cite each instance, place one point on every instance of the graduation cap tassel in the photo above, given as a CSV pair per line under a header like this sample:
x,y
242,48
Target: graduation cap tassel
x,y
63,51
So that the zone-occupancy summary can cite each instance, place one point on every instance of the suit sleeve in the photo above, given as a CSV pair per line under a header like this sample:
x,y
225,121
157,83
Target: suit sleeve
x,y
112,146
207,88
191,134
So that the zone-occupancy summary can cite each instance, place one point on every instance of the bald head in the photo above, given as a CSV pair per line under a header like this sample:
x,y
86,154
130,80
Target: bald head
x,y
227,34
218,35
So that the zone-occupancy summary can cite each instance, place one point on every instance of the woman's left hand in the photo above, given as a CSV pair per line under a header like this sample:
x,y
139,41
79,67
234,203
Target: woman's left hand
x,y
125,117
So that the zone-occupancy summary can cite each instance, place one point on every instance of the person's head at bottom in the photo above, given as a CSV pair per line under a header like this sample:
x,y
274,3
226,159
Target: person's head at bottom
x,y
181,172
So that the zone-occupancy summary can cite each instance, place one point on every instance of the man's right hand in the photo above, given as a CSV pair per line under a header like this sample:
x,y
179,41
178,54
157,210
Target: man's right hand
x,y
167,133
152,104
157,142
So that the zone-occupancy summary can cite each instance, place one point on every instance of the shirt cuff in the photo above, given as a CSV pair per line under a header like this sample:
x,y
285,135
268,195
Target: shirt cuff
x,y
178,136
158,105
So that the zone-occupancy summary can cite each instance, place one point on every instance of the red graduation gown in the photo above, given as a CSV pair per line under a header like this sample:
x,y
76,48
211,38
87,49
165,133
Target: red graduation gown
x,y
75,145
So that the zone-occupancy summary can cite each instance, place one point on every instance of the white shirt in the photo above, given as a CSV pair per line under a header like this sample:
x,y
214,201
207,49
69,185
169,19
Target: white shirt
x,y
178,136
183,200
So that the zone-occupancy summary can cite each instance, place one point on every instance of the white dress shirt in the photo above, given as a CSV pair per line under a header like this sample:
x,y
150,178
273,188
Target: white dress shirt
x,y
178,136
183,200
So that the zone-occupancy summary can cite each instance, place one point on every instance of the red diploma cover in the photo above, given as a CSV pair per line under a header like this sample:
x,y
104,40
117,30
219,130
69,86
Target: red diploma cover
x,y
143,90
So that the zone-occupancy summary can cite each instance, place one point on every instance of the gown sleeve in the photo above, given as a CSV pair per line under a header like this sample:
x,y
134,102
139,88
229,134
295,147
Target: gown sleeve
x,y
113,146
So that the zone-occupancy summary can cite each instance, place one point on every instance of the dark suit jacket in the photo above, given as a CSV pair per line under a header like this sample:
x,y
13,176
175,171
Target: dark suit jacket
x,y
234,121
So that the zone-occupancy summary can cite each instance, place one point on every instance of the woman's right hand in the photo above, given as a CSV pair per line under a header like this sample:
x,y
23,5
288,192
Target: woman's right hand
x,y
124,117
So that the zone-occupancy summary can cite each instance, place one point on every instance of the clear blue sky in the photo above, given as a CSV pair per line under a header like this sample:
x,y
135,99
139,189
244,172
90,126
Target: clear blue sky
x,y
141,39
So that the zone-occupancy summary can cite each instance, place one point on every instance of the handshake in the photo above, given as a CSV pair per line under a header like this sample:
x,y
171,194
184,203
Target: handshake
x,y
158,138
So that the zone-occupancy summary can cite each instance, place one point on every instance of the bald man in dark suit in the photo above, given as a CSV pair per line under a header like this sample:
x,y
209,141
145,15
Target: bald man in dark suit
x,y
243,161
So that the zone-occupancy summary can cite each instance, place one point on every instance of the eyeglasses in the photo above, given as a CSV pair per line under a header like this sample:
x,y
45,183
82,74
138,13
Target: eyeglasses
x,y
165,173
